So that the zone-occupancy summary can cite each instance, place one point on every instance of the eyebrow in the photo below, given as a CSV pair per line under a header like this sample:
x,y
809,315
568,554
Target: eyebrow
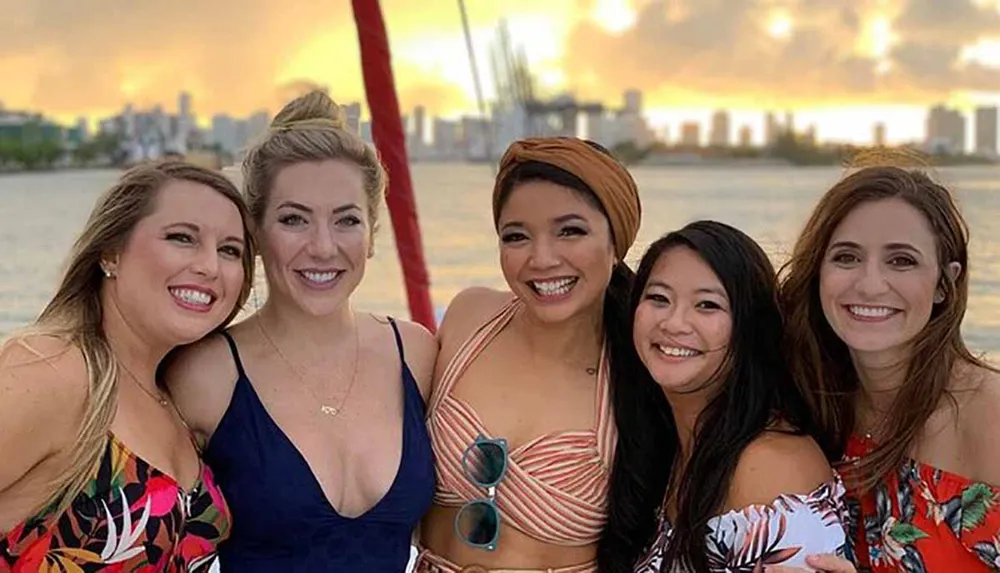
x,y
306,209
556,220
888,247
197,230
703,290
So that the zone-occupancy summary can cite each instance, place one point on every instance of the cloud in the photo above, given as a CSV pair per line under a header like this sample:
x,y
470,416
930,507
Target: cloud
x,y
91,56
233,55
947,21
97,53
715,48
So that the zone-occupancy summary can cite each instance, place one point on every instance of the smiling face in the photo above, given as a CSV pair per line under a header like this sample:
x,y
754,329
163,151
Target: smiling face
x,y
316,235
879,277
181,271
683,322
555,250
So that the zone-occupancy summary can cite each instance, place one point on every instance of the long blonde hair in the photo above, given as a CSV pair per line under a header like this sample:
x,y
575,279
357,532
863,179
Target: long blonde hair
x,y
74,314
309,128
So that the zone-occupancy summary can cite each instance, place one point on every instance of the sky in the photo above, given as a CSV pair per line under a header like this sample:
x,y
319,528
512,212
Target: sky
x,y
839,64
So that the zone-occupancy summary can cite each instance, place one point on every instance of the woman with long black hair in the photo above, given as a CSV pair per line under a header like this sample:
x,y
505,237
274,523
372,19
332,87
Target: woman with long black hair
x,y
715,469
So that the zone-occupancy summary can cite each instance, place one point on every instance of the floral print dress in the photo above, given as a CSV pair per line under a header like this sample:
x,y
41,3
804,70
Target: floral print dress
x,y
923,519
783,532
131,518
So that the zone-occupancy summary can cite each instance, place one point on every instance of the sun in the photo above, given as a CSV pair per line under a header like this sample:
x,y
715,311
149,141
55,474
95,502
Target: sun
x,y
614,15
779,25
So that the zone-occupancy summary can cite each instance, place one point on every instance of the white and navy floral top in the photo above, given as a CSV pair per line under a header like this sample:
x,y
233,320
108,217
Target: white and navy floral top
x,y
782,532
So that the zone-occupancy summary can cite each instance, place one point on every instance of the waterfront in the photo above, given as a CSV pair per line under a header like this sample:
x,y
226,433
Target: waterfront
x,y
41,213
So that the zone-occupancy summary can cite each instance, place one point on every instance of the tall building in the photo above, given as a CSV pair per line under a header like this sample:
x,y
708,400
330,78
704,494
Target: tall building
x,y
986,131
746,136
945,130
352,112
771,129
417,138
633,102
446,138
719,135
185,121
257,125
690,134
878,135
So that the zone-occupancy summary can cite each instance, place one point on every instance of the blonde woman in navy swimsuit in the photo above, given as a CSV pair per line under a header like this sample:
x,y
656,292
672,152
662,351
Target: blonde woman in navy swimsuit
x,y
313,413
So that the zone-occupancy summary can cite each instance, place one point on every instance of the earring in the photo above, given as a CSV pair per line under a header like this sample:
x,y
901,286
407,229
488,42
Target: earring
x,y
108,272
938,297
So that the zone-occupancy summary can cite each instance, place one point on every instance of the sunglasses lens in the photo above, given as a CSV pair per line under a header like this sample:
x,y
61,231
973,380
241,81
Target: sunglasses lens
x,y
477,523
484,463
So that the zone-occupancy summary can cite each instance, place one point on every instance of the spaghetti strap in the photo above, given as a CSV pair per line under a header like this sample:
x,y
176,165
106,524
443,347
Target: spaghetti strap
x,y
399,339
235,352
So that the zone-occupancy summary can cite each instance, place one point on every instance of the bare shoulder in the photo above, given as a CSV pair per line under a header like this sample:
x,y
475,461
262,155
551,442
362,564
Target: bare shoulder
x,y
43,389
201,377
980,434
421,350
51,364
468,310
777,463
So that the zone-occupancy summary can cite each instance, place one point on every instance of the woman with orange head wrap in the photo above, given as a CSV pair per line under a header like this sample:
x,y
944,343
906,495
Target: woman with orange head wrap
x,y
521,419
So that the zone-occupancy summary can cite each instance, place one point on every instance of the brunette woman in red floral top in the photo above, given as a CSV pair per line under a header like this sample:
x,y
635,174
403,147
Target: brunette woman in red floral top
x,y
875,293
98,472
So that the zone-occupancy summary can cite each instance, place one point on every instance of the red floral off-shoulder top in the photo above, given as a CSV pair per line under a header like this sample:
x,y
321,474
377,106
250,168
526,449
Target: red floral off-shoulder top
x,y
920,518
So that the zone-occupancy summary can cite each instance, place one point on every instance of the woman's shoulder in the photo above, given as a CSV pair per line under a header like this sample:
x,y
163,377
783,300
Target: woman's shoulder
x,y
779,463
201,378
978,401
420,349
49,362
469,309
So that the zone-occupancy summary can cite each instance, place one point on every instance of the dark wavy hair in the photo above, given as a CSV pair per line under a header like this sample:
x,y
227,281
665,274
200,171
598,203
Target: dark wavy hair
x,y
754,393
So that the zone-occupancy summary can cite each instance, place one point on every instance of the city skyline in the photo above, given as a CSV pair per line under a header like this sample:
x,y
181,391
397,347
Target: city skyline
x,y
840,64
945,129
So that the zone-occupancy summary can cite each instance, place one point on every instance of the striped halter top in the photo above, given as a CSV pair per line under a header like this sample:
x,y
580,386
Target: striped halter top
x,y
556,487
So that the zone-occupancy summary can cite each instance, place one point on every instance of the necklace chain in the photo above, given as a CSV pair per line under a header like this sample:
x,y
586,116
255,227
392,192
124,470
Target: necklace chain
x,y
327,409
161,399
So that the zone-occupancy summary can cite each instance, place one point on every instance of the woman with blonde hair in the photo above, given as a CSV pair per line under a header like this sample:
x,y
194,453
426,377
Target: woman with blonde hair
x,y
312,413
99,471
874,295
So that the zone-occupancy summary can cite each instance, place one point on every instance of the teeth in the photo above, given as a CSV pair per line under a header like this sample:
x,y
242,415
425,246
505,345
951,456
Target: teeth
x,y
192,296
553,288
871,311
674,351
320,277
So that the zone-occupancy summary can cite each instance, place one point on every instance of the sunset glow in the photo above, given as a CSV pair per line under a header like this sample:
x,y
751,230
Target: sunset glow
x,y
844,65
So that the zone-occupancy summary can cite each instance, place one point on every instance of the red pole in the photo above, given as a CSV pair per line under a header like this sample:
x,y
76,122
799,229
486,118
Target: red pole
x,y
390,141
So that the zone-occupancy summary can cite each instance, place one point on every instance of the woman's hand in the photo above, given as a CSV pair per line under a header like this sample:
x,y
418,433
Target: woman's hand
x,y
823,563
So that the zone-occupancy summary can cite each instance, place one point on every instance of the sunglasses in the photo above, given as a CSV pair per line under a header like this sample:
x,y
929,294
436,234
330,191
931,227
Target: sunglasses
x,y
485,464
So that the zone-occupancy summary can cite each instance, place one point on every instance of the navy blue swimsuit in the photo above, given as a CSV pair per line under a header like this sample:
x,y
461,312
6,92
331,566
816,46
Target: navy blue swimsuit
x,y
282,520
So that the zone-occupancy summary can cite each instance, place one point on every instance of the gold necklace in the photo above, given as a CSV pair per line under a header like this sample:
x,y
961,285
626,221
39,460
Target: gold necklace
x,y
327,409
161,399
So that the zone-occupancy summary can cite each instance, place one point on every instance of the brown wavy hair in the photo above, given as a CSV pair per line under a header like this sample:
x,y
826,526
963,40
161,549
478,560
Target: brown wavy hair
x,y
821,363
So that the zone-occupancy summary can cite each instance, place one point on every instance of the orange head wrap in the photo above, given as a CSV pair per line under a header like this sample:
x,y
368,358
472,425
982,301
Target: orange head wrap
x,y
610,181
